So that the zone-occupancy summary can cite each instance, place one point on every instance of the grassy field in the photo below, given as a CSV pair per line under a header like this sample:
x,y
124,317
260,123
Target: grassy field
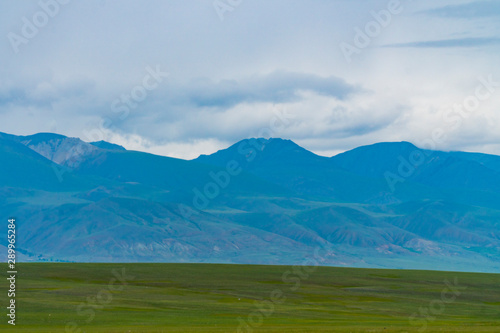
x,y
60,297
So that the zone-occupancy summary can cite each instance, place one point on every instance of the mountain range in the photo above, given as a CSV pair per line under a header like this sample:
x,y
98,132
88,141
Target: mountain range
x,y
260,201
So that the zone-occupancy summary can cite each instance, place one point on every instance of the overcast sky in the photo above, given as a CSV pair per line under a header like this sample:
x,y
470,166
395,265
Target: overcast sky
x,y
181,78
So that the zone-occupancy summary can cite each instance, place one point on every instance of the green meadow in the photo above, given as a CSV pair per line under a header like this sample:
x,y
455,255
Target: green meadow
x,y
70,297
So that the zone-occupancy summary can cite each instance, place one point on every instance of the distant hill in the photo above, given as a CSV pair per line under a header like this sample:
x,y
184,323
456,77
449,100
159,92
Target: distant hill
x,y
260,201
22,167
433,168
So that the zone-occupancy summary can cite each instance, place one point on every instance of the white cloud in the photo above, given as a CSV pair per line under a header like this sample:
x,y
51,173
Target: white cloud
x,y
228,78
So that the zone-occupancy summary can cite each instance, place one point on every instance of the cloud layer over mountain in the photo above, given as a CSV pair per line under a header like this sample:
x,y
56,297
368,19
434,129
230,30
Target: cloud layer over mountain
x,y
86,67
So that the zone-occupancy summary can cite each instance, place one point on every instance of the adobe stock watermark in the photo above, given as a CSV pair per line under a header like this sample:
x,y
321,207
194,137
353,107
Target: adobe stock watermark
x,y
453,118
138,93
250,149
105,296
294,278
121,108
372,29
436,307
31,26
224,6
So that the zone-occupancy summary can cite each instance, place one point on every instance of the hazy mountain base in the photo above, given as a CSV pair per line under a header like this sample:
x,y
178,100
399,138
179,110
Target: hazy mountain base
x,y
284,204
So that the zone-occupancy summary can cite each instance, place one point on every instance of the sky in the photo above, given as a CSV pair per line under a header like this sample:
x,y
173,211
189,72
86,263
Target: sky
x,y
184,78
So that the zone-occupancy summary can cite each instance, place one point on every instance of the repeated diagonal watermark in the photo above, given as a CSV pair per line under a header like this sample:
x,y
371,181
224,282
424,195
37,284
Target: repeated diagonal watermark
x,y
31,27
104,297
293,279
453,118
436,307
203,195
121,108
363,37
222,7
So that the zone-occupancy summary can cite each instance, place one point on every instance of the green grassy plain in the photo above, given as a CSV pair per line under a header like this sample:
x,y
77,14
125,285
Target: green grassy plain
x,y
67,297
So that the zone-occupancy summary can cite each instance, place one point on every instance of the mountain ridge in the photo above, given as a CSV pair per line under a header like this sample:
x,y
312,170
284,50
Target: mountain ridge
x,y
264,201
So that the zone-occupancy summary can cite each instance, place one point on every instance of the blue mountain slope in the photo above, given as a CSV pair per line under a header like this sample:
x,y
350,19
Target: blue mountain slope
x,y
33,139
254,154
490,161
40,138
375,160
22,167
128,230
431,168
284,204
285,163
291,166
107,145
172,174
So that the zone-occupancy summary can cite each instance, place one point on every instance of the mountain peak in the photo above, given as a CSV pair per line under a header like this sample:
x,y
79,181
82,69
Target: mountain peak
x,y
61,149
58,148
380,147
271,144
34,138
397,145
107,145
374,160
255,152
38,138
